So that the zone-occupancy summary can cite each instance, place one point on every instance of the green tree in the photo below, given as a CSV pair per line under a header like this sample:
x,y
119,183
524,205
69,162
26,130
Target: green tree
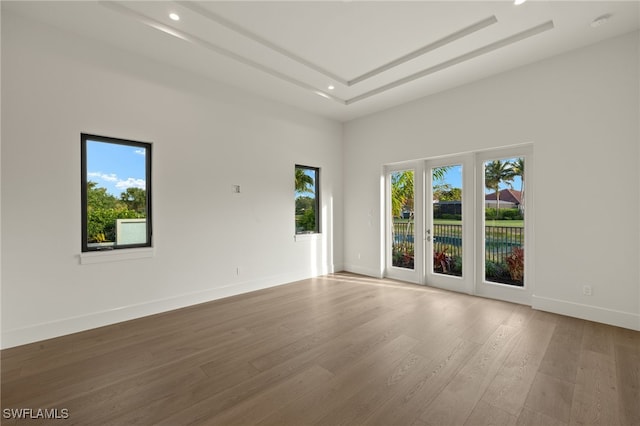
x,y
402,188
439,173
304,182
307,221
518,170
101,223
303,204
496,172
445,192
98,198
103,209
135,199
402,192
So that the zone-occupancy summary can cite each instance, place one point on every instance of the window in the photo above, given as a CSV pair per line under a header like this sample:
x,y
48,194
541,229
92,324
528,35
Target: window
x,y
116,193
307,200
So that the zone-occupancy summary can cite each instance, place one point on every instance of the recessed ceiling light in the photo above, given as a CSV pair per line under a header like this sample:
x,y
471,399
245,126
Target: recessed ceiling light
x,y
174,16
331,87
600,20
518,2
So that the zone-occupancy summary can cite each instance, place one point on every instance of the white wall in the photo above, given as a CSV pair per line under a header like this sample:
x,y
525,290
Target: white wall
x,y
580,110
207,137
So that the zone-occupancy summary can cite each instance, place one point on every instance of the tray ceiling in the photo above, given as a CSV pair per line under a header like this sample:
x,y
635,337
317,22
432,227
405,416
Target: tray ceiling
x,y
341,59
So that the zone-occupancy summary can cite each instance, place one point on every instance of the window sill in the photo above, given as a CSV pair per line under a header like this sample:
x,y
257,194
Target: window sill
x,y
116,255
306,237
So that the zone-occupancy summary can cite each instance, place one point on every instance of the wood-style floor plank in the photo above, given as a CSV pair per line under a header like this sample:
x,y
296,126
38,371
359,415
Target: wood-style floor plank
x,y
530,417
627,358
254,409
378,389
487,414
595,396
328,396
510,387
457,400
561,359
551,396
336,350
406,405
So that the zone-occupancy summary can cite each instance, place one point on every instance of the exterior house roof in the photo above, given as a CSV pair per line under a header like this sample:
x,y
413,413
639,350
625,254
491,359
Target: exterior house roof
x,y
508,195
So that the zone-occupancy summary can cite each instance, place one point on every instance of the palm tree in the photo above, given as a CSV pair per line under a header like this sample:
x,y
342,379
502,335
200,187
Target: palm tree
x,y
439,173
402,191
518,170
304,182
496,172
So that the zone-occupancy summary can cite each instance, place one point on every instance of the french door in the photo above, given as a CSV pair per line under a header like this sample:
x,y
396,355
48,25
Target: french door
x,y
463,223
504,255
404,231
449,236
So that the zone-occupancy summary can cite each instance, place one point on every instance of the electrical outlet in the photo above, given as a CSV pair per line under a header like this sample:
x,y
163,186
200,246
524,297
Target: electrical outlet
x,y
586,290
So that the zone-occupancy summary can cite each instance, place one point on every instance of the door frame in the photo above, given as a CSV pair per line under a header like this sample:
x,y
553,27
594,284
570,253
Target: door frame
x,y
410,275
464,284
473,239
521,295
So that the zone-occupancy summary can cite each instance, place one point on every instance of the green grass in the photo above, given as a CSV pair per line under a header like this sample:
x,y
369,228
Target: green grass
x,y
510,223
400,220
488,222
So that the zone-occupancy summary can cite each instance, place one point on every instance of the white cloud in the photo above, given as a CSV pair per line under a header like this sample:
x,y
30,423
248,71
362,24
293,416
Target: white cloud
x,y
131,183
111,177
140,152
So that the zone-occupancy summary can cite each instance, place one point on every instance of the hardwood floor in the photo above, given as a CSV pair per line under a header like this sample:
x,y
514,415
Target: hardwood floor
x,y
336,350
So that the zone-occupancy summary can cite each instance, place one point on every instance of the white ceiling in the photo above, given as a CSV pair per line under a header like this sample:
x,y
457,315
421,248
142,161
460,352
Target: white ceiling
x,y
376,54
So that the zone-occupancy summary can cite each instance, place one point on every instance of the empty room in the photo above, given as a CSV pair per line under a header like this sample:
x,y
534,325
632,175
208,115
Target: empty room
x,y
330,212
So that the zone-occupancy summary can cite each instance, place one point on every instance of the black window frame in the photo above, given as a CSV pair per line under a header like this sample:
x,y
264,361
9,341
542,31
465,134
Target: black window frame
x,y
86,137
316,193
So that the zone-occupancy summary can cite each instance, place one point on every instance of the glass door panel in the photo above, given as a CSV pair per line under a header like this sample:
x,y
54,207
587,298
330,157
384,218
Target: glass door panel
x,y
403,236
447,229
504,221
449,233
404,242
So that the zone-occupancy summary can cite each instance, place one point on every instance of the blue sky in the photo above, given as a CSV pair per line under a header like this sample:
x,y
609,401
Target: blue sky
x,y
454,178
115,167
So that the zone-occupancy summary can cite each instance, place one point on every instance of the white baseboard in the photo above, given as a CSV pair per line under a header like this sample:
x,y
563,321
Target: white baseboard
x,y
57,328
338,267
48,330
363,271
587,312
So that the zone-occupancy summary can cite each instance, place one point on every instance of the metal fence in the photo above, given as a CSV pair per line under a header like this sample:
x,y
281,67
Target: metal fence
x,y
448,239
499,240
